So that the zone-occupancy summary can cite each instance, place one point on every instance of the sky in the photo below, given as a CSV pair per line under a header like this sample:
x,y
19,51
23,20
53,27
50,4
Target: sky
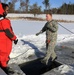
x,y
53,3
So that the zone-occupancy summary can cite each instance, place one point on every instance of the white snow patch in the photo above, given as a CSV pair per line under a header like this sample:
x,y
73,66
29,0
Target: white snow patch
x,y
66,69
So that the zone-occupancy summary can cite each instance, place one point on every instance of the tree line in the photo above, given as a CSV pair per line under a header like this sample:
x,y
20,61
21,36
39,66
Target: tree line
x,y
64,9
25,7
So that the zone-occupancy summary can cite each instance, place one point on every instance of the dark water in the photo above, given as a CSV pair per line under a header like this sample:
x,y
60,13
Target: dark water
x,y
37,68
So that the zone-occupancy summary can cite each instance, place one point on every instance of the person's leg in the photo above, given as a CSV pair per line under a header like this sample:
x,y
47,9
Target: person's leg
x,y
5,69
53,55
8,70
47,57
50,54
4,62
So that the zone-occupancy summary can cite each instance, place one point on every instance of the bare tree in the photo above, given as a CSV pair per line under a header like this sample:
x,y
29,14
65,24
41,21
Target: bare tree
x,y
35,9
5,1
27,5
47,4
12,6
24,4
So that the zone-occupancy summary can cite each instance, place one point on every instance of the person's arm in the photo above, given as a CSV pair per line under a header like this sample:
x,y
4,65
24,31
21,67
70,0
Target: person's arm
x,y
38,33
8,33
53,26
6,25
11,36
8,30
43,30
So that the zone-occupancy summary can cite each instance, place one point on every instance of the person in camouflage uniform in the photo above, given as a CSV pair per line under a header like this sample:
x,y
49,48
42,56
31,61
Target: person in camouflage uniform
x,y
51,28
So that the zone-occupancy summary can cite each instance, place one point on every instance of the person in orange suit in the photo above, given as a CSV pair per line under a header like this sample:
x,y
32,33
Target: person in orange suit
x,y
6,37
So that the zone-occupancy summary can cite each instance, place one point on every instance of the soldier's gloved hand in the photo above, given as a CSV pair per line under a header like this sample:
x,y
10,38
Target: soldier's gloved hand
x,y
15,41
37,34
48,41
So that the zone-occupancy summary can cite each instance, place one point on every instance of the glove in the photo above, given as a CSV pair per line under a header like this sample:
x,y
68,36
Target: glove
x,y
15,41
37,34
48,41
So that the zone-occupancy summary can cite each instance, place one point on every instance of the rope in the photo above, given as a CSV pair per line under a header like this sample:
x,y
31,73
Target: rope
x,y
21,54
66,28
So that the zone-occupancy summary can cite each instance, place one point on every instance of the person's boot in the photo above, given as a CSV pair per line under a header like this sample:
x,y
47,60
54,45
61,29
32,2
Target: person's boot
x,y
55,58
8,70
5,70
47,62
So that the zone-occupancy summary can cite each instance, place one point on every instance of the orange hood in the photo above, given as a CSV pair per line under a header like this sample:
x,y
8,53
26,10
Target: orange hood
x,y
1,9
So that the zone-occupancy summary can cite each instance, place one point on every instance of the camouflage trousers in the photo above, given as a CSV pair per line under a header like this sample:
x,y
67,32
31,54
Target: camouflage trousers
x,y
50,53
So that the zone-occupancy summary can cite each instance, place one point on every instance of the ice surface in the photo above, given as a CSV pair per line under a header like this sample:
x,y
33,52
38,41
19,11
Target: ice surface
x,y
23,27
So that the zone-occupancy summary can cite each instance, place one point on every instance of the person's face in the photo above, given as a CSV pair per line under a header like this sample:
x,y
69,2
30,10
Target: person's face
x,y
6,10
48,17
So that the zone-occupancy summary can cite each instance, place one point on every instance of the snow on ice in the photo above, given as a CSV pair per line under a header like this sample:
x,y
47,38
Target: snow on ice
x,y
66,69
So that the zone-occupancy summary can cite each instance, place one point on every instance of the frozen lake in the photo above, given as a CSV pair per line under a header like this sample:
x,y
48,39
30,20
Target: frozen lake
x,y
25,27
32,45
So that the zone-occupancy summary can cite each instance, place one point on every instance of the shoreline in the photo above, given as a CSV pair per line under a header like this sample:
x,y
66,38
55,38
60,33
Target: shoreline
x,y
37,19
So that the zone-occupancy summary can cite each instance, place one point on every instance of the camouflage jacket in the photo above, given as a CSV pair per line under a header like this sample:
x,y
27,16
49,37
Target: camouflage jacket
x,y
51,30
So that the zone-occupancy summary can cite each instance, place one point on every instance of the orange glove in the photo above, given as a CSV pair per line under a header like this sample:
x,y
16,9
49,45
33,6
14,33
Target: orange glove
x,y
48,41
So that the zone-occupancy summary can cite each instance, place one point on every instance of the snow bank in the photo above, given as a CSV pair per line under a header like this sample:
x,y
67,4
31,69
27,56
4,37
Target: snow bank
x,y
32,47
19,15
55,16
66,69
31,44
